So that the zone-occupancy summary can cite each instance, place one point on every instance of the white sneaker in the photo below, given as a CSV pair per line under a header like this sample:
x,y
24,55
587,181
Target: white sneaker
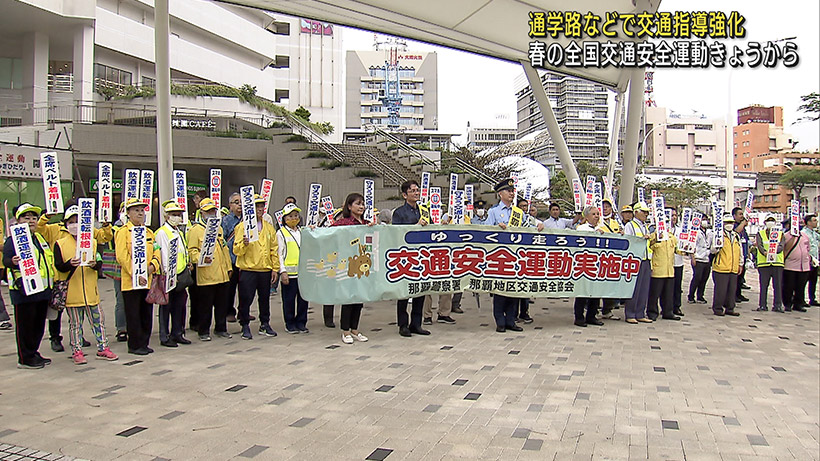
x,y
347,339
361,337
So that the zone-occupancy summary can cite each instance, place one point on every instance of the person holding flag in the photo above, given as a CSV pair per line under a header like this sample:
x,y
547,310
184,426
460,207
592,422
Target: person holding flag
x,y
608,220
289,241
211,279
662,281
555,221
701,263
635,308
770,268
29,310
138,312
796,268
725,267
177,297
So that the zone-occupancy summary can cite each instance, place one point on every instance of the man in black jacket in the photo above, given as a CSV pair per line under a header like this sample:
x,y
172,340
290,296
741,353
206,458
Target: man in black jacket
x,y
409,213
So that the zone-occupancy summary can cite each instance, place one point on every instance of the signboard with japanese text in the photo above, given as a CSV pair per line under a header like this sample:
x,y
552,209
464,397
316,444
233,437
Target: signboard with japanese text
x,y
641,195
514,177
435,205
794,215
652,211
132,185
717,220
139,257
50,167
608,192
589,199
417,261
528,195
169,264
469,190
774,241
249,213
105,175
599,196
578,194
327,208
685,228
180,192
265,191
29,269
661,222
516,217
369,199
750,200
86,250
209,241
215,186
314,202
278,216
451,196
425,187
25,162
457,215
147,192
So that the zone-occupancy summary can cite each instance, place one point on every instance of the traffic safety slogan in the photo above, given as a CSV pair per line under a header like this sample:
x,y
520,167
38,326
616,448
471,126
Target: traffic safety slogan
x,y
358,264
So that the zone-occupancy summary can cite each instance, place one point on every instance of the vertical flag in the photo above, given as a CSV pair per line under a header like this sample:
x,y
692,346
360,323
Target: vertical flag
x,y
249,213
265,192
794,214
131,185
369,199
29,269
425,187
453,187
314,201
105,188
86,251
468,197
181,192
327,206
216,187
50,168
147,192
435,205
576,190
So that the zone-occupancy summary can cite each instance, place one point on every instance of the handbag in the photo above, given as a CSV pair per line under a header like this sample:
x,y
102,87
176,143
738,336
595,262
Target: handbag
x,y
184,280
156,294
59,292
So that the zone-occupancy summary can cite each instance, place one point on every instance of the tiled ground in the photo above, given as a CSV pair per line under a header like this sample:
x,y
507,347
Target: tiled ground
x,y
706,388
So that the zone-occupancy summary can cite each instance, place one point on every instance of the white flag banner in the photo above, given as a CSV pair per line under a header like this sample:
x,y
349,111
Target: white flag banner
x,y
435,205
774,241
794,214
265,192
468,199
86,250
249,213
457,216
369,199
425,187
147,192
209,242
314,203
528,196
327,207
50,168
29,269
216,187
660,219
181,192
170,264
578,194
750,199
105,189
717,219
139,257
453,187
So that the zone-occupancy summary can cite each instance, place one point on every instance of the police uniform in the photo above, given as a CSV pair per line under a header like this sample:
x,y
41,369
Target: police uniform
x,y
505,308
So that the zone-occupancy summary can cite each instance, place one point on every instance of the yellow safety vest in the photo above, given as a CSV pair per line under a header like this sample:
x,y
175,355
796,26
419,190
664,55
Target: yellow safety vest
x,y
291,252
761,257
182,246
46,264
639,233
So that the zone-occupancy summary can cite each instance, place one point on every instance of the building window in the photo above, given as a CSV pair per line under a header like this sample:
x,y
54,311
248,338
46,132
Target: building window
x,y
774,198
148,82
279,95
281,62
279,28
110,75
11,73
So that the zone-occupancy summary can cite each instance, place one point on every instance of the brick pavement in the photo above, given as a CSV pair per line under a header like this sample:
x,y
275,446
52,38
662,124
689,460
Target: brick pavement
x,y
705,388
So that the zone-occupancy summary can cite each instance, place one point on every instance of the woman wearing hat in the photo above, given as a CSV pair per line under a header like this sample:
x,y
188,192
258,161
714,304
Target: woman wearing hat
x,y
211,278
139,313
770,271
289,240
177,297
29,310
83,296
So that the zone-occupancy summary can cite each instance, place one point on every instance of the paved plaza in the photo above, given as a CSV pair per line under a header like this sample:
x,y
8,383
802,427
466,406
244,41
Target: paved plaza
x,y
705,388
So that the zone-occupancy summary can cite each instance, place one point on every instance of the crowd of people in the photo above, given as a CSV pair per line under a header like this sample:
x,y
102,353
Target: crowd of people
x,y
240,268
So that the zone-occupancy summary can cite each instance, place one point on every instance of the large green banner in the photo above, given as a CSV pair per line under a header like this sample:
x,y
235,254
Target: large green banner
x,y
358,264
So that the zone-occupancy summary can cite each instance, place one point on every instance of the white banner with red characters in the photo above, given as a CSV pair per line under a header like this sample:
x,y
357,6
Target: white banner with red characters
x,y
794,215
424,197
468,199
416,261
265,191
181,192
435,205
314,203
577,193
327,208
105,187
147,192
29,269
774,241
86,250
51,182
216,187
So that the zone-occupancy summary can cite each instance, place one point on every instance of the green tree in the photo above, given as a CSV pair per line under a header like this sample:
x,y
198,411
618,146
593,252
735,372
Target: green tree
x,y
797,178
679,192
811,106
302,113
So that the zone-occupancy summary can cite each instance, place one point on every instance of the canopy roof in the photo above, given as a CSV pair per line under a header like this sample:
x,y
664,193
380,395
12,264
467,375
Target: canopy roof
x,y
495,28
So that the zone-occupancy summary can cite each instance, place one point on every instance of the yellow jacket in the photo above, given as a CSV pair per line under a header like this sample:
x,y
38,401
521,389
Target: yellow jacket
x,y
728,257
82,286
123,247
219,270
259,256
610,225
663,256
57,231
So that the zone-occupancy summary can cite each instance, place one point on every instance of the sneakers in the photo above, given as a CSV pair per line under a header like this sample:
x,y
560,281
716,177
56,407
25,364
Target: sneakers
x,y
266,330
703,301
246,332
5,326
223,334
347,339
445,319
30,366
106,354
457,310
762,309
526,319
204,337
360,337
291,331
303,330
57,345
79,358
122,336
690,300
427,321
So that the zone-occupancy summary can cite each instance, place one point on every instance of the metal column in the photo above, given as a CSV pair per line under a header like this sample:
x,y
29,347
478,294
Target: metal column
x,y
613,143
553,129
165,153
634,117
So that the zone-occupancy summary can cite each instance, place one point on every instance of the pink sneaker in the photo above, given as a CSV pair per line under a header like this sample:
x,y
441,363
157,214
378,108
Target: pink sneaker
x,y
79,358
106,354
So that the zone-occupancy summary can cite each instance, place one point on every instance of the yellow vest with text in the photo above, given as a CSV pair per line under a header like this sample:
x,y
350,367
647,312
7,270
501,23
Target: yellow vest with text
x,y
291,252
761,257
182,246
639,233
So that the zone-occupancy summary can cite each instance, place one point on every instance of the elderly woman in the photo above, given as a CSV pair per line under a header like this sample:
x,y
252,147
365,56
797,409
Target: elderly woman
x,y
797,267
592,221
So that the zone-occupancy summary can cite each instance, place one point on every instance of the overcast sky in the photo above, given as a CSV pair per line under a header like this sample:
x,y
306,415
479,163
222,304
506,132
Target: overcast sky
x,y
480,90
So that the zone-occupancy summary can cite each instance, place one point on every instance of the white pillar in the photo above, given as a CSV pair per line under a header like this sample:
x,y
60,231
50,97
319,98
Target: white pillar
x,y
633,132
35,78
553,128
165,154
84,73
613,143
